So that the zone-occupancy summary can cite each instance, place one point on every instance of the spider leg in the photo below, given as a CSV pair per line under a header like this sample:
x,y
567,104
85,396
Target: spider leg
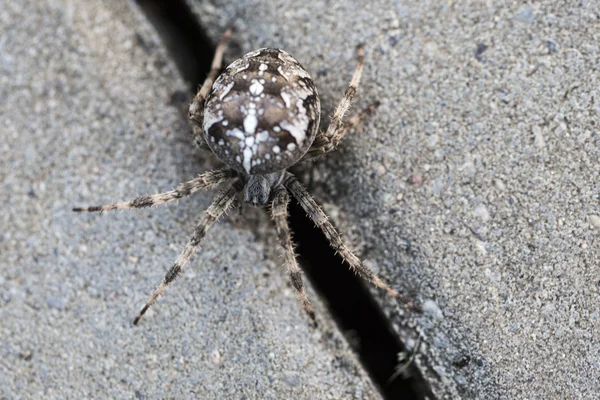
x,y
320,219
320,143
206,180
279,214
327,141
196,109
220,204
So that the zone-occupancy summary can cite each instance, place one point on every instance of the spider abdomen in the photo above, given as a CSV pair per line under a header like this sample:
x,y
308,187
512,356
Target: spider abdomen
x,y
262,113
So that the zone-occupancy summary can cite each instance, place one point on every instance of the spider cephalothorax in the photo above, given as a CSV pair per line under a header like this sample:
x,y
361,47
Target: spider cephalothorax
x,y
259,117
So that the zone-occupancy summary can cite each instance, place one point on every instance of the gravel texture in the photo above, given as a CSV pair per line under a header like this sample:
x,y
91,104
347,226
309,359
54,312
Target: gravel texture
x,y
86,117
476,186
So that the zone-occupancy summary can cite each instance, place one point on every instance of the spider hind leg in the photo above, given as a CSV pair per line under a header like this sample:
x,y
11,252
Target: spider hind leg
x,y
329,140
196,109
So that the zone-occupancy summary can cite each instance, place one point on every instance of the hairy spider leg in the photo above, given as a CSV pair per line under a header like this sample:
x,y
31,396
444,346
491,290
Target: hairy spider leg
x,y
279,213
328,140
206,180
316,214
220,204
196,110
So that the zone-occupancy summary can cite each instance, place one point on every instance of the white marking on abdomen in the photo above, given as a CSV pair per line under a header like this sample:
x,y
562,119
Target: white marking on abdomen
x,y
256,87
250,124
247,159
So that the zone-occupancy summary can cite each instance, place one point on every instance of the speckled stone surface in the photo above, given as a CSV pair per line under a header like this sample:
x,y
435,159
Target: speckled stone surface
x,y
476,186
86,116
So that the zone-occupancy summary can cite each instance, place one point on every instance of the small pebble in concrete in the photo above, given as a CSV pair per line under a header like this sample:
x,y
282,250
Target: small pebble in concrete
x,y
595,221
431,308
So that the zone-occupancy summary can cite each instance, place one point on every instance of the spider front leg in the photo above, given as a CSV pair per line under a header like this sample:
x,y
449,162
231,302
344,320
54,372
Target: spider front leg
x,y
196,110
320,219
279,213
206,180
219,205
327,141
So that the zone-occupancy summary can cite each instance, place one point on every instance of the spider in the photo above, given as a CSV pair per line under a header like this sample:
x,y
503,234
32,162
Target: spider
x,y
259,117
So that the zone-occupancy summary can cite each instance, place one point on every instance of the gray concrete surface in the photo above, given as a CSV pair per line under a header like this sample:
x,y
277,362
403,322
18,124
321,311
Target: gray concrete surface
x,y
85,117
475,188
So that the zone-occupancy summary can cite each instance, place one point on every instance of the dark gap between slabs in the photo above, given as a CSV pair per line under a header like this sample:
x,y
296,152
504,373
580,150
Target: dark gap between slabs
x,y
349,301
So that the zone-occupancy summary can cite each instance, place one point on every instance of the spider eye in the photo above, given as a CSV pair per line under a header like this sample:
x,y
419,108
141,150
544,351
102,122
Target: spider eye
x,y
262,113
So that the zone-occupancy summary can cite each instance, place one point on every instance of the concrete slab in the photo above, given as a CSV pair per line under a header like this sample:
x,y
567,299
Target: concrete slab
x,y
86,117
475,188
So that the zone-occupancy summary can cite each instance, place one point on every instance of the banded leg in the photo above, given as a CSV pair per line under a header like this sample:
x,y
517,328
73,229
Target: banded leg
x,y
206,180
196,111
320,142
279,214
317,215
219,205
327,141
